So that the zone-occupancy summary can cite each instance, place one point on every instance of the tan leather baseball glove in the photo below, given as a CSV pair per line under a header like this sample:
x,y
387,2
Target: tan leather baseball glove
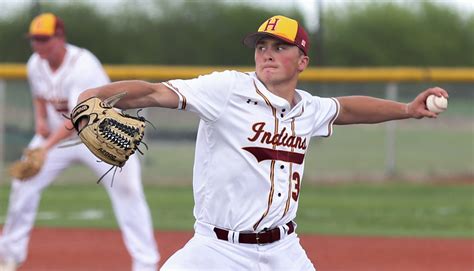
x,y
110,135
29,165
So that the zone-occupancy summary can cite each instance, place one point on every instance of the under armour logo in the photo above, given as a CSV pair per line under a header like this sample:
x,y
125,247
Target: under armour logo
x,y
271,24
250,101
303,43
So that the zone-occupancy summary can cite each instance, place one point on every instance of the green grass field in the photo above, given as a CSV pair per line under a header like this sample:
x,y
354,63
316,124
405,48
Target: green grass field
x,y
396,209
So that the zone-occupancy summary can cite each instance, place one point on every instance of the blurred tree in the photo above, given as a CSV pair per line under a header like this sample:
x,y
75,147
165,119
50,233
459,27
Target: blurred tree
x,y
179,32
167,32
386,34
191,32
14,47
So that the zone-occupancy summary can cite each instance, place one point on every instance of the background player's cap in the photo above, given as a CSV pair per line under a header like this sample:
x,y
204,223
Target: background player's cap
x,y
46,25
282,28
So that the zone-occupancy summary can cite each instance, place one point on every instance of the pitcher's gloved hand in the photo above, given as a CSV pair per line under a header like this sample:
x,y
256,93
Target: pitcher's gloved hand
x,y
110,135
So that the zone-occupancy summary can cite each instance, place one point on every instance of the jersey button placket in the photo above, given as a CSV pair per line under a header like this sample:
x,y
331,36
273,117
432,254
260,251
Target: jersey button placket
x,y
282,112
282,176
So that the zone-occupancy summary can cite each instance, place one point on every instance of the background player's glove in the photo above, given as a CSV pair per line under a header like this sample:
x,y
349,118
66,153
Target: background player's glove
x,y
111,136
29,165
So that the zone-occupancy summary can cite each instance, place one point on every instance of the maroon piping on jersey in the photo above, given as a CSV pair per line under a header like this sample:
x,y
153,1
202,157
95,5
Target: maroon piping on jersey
x,y
333,118
272,164
184,101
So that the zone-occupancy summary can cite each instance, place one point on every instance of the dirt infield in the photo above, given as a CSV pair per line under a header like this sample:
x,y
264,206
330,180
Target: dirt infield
x,y
94,250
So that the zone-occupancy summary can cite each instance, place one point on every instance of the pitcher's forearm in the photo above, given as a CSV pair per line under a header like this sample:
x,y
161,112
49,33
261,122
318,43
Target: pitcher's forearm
x,y
139,94
135,89
363,109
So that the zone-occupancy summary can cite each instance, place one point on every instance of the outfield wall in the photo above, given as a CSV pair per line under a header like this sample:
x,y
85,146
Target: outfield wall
x,y
336,74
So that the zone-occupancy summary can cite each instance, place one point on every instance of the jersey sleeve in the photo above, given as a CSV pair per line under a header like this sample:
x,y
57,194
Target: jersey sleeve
x,y
89,73
326,113
206,95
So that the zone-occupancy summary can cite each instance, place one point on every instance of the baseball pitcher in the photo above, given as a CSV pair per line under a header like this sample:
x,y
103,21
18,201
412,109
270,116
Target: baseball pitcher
x,y
254,132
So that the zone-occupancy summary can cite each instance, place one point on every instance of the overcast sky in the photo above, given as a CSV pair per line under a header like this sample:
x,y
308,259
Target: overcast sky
x,y
308,7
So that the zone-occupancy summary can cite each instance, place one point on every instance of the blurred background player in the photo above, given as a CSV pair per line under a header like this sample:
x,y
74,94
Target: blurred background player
x,y
57,73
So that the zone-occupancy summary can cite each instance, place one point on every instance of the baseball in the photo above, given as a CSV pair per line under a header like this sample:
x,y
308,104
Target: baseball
x,y
436,104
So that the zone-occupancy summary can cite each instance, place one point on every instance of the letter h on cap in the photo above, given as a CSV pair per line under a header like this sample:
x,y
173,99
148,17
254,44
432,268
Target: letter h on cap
x,y
271,24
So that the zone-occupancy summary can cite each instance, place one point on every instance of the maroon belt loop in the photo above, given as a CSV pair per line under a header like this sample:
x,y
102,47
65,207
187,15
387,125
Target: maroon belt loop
x,y
263,237
291,227
221,234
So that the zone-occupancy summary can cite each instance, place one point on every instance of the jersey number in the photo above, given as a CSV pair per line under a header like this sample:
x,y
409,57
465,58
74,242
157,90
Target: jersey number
x,y
296,186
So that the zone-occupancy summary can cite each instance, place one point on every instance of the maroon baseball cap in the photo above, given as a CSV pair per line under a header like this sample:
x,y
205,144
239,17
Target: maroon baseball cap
x,y
283,28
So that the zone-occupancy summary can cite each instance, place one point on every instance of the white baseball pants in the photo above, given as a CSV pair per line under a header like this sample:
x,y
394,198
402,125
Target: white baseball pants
x,y
205,252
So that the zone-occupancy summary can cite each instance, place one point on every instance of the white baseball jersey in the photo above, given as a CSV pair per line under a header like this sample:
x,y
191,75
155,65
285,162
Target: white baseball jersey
x,y
250,148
